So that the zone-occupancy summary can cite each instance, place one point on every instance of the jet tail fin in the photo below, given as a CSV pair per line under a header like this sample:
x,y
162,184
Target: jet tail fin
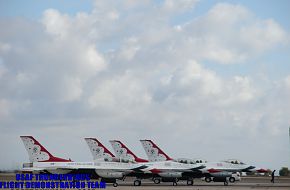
x,y
97,149
37,153
153,152
124,152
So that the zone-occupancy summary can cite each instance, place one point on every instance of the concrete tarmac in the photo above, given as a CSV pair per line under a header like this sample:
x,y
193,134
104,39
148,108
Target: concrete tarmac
x,y
245,184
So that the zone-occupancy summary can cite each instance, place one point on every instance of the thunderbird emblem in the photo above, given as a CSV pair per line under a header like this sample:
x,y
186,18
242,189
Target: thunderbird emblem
x,y
35,149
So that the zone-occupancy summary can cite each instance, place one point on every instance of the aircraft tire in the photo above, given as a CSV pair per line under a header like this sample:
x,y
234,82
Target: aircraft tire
x,y
157,181
137,182
115,184
190,182
208,179
174,183
232,179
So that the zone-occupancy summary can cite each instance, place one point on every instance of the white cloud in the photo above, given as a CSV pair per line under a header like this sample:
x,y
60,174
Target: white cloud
x,y
126,68
246,92
4,108
92,60
56,23
119,93
4,47
193,80
129,49
263,35
2,68
72,89
238,91
231,34
287,81
227,15
179,6
193,72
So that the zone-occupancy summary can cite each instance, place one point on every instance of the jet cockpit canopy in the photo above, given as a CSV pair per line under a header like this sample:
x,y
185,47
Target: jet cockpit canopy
x,y
234,161
191,161
110,159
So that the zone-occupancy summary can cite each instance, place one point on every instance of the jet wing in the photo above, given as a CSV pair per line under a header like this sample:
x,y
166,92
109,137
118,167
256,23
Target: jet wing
x,y
193,169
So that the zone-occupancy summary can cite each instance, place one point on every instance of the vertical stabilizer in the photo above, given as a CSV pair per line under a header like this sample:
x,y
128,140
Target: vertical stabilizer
x,y
153,152
37,153
98,150
123,152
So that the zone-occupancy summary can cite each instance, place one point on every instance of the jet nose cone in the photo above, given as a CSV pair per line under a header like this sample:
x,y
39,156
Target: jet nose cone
x,y
251,167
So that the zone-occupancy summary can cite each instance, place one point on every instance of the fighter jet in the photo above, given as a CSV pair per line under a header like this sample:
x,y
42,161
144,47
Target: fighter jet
x,y
223,171
163,169
43,161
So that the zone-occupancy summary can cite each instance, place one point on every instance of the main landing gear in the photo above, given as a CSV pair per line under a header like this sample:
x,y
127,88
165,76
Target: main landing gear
x,y
189,182
208,179
156,180
137,182
232,179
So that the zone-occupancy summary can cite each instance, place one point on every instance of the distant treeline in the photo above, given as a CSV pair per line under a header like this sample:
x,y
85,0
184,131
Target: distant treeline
x,y
284,171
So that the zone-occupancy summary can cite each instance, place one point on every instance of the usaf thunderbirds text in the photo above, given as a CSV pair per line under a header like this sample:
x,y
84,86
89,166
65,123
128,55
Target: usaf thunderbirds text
x,y
52,181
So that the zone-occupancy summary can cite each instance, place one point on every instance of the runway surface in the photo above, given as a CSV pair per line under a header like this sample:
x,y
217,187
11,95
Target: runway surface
x,y
246,183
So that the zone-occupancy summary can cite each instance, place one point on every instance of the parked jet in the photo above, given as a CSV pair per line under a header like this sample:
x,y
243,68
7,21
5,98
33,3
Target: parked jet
x,y
162,169
43,161
99,151
167,170
223,171
214,171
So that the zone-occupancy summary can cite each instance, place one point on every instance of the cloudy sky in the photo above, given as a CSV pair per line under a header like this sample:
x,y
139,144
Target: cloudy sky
x,y
207,79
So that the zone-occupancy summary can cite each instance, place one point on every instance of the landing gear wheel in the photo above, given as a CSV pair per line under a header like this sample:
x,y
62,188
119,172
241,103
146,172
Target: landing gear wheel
x,y
115,184
226,183
190,182
174,183
137,182
232,179
208,179
157,181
